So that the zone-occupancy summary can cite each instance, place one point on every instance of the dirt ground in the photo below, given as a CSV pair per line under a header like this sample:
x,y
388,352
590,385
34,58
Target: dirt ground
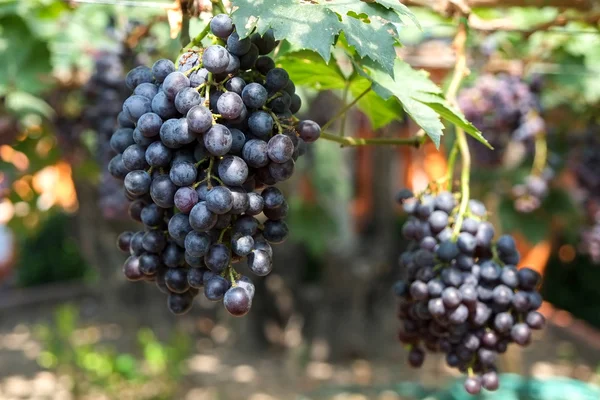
x,y
221,366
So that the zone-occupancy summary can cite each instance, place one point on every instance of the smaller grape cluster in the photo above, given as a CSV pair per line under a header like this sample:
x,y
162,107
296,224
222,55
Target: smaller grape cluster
x,y
530,194
585,165
199,148
504,108
462,294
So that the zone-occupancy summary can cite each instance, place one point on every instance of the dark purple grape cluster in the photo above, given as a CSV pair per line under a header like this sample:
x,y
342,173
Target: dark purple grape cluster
x,y
462,294
585,165
530,194
200,147
504,108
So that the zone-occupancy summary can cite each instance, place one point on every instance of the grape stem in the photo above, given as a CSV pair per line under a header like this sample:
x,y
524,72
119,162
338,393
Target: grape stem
x,y
222,234
350,141
342,112
451,162
218,6
460,71
197,40
345,101
209,82
275,119
541,154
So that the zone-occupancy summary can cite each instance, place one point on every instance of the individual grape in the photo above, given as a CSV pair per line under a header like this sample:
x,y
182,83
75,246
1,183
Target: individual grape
x,y
259,262
264,64
137,76
215,288
201,218
255,153
235,85
245,283
503,322
521,334
473,385
135,210
154,241
240,201
280,149
149,124
309,131
255,204
173,256
186,99
152,215
158,155
295,103
275,231
276,79
117,168
238,139
490,381
535,320
147,90
230,105
134,158
265,43
183,174
137,182
528,278
195,277
447,251
185,199
162,191
219,200
150,263
174,83
438,220
124,240
248,60
416,357
260,124
218,140
277,214
242,245
221,26
179,226
199,119
121,139
282,172
136,106
179,303
238,46
131,269
163,107
237,301
215,59
161,69
198,77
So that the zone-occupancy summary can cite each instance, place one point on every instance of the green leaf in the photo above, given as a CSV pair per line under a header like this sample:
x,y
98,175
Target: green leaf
x,y
369,27
25,59
379,111
306,68
422,99
310,26
398,7
22,103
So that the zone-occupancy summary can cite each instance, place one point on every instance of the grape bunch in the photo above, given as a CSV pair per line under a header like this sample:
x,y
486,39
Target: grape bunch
x,y
504,108
530,194
585,166
200,147
462,294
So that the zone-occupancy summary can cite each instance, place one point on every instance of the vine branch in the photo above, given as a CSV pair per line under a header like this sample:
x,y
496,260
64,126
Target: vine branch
x,y
460,71
354,142
345,108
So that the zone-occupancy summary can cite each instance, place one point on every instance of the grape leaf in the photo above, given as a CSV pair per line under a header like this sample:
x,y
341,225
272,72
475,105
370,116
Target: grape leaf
x,y
398,7
306,68
310,26
25,58
422,99
369,27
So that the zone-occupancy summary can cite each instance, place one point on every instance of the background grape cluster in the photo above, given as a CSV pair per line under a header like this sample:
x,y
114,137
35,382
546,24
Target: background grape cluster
x,y
504,108
462,294
199,148
586,167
